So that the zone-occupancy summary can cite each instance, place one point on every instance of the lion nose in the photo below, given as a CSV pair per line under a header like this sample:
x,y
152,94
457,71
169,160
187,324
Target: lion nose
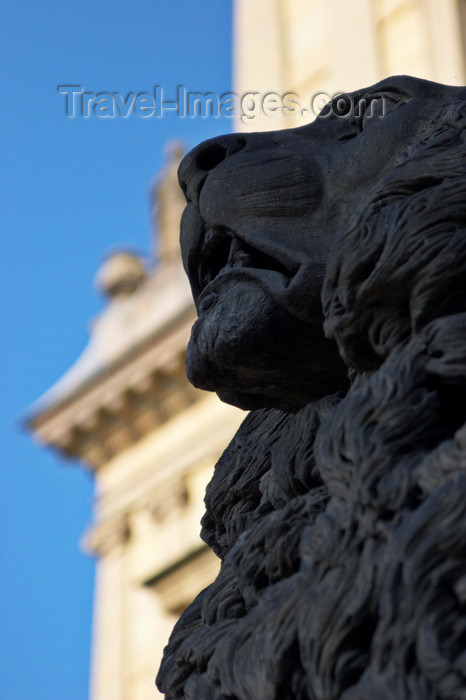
x,y
197,164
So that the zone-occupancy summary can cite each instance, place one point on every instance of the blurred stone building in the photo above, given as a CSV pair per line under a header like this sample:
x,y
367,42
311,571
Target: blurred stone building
x,y
125,409
310,47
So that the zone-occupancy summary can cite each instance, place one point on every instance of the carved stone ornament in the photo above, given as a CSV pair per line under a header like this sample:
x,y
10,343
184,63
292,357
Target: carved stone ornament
x,y
328,267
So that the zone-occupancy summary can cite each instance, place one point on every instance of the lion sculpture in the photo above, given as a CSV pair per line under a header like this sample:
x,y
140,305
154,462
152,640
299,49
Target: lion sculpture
x,y
328,267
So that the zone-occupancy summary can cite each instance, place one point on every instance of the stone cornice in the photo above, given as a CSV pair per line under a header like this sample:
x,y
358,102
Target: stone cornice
x,y
136,393
107,536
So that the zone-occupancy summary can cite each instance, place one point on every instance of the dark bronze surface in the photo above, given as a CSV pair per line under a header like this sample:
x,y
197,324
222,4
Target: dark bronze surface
x,y
315,254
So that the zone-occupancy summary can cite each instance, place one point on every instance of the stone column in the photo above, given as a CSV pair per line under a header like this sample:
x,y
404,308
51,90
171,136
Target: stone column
x,y
108,648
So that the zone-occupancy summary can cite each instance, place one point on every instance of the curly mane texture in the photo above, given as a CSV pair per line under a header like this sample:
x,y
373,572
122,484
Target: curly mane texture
x,y
401,262
342,528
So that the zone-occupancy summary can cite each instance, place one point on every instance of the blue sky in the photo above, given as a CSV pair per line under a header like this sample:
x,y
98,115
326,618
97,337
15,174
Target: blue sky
x,y
71,190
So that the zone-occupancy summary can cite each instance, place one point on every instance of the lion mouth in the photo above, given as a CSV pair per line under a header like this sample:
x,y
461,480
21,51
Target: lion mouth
x,y
223,252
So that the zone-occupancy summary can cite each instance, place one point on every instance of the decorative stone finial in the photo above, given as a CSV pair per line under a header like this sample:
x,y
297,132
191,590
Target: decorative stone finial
x,y
168,203
120,274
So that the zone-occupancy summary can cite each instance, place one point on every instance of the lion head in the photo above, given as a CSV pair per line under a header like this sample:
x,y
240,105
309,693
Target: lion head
x,y
263,213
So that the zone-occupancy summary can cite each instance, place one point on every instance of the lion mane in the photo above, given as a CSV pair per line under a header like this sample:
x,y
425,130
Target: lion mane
x,y
343,542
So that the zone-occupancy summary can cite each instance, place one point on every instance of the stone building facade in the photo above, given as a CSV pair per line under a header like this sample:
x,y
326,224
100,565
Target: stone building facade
x,y
128,413
310,47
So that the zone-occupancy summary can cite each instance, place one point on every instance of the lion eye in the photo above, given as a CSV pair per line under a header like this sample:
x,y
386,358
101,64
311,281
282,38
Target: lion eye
x,y
365,109
373,107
